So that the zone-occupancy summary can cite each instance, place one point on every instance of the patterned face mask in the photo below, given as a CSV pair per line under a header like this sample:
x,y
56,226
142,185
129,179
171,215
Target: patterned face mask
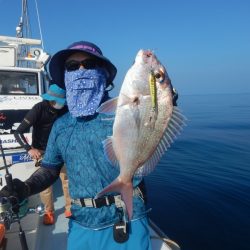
x,y
84,90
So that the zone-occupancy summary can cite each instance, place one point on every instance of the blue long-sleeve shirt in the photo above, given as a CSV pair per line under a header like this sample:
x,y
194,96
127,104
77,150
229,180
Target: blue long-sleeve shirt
x,y
77,142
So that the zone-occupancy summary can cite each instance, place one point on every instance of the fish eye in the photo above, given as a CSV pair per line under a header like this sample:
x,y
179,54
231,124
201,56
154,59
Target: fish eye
x,y
159,76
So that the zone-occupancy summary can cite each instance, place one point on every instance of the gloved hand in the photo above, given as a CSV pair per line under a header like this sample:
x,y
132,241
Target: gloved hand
x,y
19,193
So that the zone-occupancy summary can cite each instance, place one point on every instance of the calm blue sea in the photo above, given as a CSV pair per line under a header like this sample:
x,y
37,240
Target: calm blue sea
x,y
200,191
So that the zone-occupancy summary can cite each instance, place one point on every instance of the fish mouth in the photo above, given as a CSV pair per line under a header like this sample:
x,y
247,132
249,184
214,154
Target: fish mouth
x,y
146,53
146,57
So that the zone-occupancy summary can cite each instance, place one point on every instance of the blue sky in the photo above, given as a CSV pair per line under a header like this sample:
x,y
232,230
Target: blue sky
x,y
205,44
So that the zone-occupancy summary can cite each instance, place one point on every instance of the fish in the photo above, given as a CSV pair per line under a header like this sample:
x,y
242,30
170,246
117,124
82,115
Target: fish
x,y
145,124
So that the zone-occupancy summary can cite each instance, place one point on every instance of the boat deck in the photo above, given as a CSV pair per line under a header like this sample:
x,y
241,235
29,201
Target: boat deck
x,y
37,234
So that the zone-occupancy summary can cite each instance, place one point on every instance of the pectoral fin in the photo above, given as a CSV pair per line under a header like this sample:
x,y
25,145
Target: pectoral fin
x,y
108,107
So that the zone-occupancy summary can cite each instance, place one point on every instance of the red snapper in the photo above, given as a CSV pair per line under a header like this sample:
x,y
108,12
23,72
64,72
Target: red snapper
x,y
146,122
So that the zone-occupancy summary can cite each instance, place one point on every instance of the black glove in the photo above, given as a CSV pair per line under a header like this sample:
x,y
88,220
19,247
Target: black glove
x,y
19,193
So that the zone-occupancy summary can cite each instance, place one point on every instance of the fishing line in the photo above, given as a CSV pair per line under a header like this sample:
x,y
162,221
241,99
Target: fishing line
x,y
39,24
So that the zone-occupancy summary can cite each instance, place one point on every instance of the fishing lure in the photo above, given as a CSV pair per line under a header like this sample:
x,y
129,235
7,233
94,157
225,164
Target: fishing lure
x,y
153,93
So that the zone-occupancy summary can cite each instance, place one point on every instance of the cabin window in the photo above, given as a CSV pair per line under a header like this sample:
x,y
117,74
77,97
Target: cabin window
x,y
18,83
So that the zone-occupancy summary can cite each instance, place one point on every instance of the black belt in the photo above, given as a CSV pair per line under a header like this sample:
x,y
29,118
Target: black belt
x,y
105,200
98,202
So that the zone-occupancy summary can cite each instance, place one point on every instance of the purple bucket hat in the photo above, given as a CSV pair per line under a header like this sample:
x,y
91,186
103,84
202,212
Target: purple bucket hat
x,y
56,65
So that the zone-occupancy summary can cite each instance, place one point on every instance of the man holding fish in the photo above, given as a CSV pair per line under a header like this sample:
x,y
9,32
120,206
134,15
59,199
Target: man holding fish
x,y
108,210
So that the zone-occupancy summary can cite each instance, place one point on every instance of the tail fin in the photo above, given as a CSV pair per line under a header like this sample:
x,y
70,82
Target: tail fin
x,y
126,191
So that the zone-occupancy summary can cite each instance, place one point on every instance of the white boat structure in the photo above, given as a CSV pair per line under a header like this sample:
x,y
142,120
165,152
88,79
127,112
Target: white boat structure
x,y
23,79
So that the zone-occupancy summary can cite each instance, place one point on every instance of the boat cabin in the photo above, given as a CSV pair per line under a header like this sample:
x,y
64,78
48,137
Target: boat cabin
x,y
23,79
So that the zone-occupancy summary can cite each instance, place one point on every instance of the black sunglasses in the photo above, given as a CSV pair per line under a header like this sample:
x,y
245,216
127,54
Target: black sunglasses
x,y
86,64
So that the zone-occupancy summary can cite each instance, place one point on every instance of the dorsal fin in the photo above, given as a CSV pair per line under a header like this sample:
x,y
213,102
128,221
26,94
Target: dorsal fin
x,y
174,128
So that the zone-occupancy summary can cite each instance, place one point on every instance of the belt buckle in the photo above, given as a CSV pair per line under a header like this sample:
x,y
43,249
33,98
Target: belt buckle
x,y
89,202
76,201
118,201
